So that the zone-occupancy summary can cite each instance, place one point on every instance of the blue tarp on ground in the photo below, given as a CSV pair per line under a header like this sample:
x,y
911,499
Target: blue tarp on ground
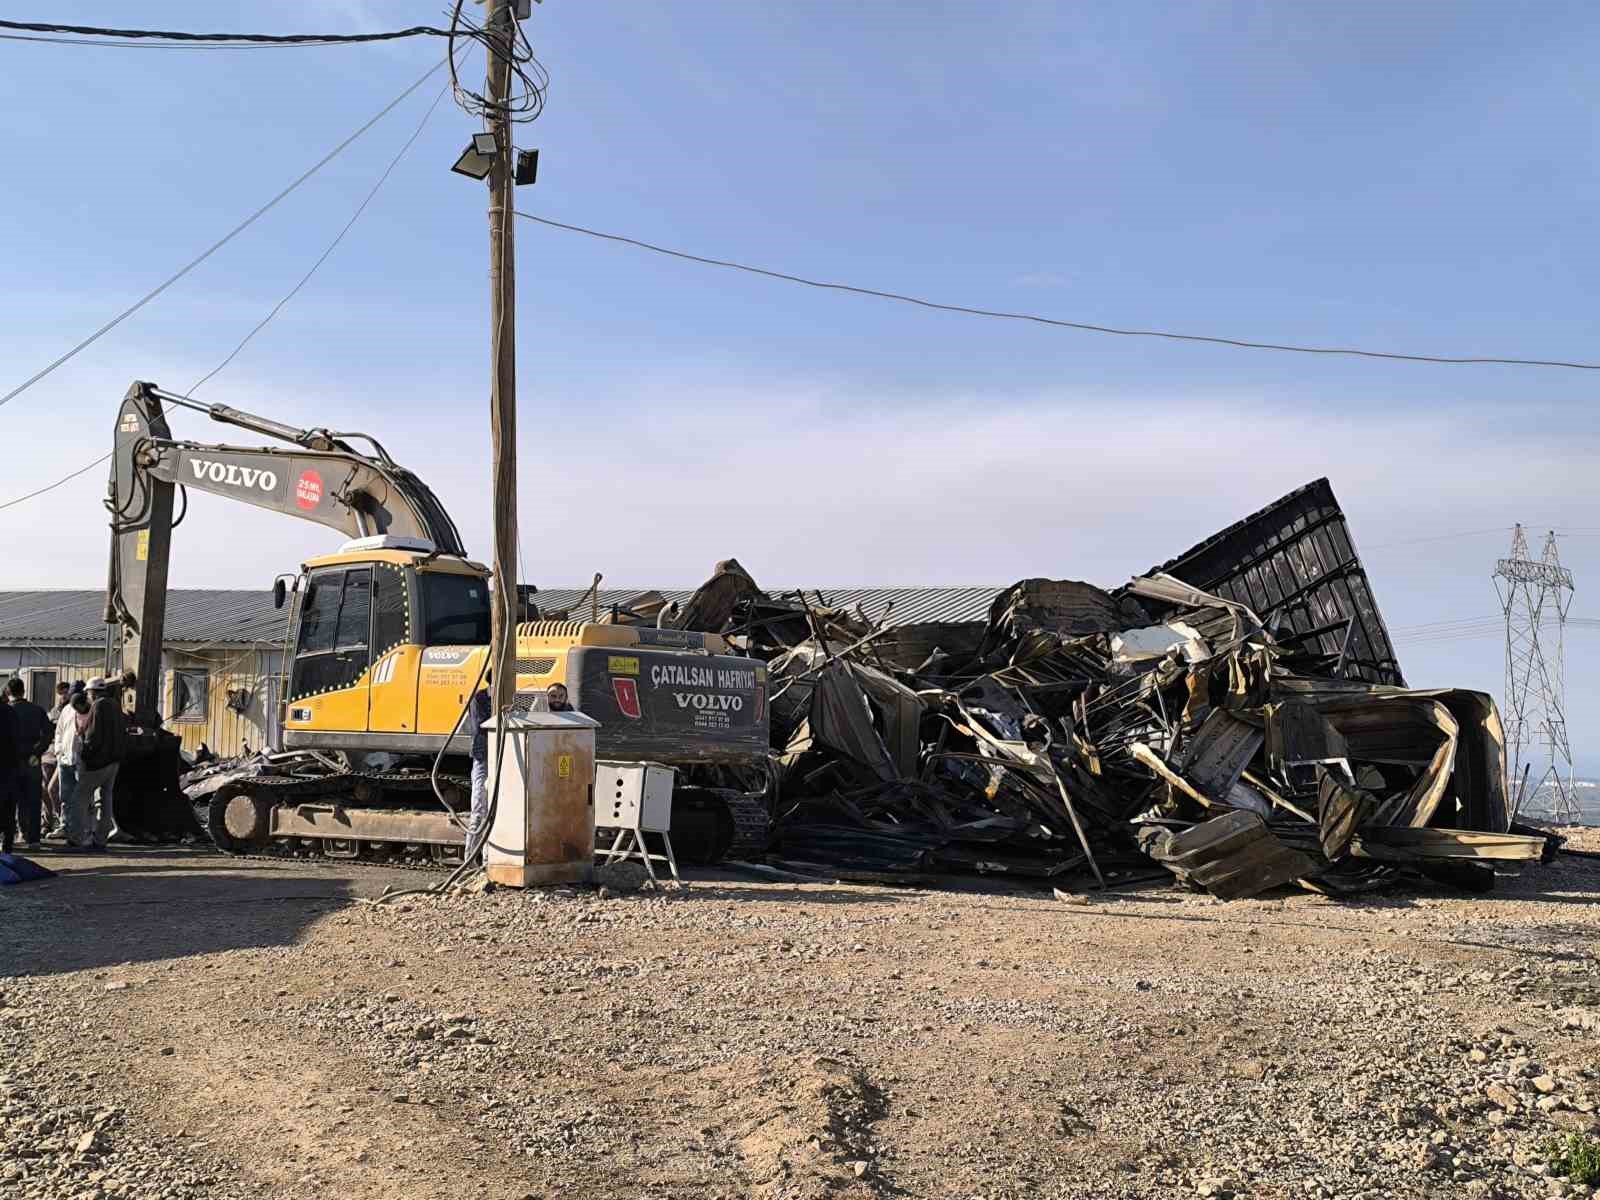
x,y
16,869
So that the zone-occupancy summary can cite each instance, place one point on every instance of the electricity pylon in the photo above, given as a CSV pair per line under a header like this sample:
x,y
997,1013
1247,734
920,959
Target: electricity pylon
x,y
1535,596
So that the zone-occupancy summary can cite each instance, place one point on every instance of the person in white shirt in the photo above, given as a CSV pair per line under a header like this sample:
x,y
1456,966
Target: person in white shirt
x,y
68,746
52,785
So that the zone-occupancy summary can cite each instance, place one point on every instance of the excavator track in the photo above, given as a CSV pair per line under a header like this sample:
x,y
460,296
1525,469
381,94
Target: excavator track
x,y
238,817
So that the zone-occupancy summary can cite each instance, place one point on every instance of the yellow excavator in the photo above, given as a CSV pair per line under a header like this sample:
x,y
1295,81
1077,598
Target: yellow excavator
x,y
385,640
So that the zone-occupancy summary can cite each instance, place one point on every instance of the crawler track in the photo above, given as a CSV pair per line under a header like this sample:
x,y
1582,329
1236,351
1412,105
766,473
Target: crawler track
x,y
242,831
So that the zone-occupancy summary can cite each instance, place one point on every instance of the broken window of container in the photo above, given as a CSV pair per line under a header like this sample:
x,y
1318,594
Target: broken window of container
x,y
191,694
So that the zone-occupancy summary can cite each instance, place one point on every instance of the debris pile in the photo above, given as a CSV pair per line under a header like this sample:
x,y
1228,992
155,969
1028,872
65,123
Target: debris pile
x,y
1236,718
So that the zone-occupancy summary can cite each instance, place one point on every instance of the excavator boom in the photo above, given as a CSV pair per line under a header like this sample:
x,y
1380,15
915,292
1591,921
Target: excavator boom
x,y
322,479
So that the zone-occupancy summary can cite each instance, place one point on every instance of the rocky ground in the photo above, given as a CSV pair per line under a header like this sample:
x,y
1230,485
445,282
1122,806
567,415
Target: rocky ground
x,y
183,1025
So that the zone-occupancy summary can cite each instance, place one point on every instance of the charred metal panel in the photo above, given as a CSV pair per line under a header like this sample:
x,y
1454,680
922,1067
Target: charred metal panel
x,y
1295,565
1232,856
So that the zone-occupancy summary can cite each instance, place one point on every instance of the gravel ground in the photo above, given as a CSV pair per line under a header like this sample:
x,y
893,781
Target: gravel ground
x,y
184,1025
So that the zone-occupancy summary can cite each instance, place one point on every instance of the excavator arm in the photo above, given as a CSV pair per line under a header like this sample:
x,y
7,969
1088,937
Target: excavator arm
x,y
320,477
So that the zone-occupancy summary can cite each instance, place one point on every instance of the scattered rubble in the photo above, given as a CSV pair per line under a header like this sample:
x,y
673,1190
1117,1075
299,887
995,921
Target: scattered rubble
x,y
1237,718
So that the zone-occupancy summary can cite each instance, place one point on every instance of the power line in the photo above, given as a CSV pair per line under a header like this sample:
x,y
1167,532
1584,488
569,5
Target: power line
x,y
1490,627
292,292
156,37
1445,626
1052,321
50,487
333,245
130,45
1441,537
524,100
228,237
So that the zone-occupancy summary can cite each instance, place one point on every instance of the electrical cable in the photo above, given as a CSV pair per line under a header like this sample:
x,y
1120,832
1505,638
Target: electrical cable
x,y
528,82
151,36
50,487
474,845
1441,537
331,247
507,591
433,775
136,45
262,324
1083,326
226,238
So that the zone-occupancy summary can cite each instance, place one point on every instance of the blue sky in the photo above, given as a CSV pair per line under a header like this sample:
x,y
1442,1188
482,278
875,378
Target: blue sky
x,y
1421,178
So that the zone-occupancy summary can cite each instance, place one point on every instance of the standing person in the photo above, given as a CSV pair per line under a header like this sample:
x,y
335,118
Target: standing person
x,y
68,746
8,778
104,742
480,762
52,785
33,739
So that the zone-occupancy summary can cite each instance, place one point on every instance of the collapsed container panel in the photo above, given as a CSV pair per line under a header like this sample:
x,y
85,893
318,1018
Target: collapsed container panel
x,y
1295,565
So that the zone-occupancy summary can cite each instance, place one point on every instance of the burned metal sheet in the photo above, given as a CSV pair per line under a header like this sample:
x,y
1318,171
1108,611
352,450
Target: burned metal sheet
x,y
1218,753
1233,856
1403,844
1295,564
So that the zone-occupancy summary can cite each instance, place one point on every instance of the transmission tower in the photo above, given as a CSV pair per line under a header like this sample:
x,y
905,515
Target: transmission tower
x,y
1535,595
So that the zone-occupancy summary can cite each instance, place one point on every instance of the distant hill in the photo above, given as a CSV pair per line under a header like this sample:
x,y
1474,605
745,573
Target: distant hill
x,y
1537,806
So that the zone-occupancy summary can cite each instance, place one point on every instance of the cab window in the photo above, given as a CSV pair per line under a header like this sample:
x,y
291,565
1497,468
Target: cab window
x,y
455,609
319,612
335,622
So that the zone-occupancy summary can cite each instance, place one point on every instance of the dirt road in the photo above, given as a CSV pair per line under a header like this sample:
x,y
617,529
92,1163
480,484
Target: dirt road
x,y
186,1025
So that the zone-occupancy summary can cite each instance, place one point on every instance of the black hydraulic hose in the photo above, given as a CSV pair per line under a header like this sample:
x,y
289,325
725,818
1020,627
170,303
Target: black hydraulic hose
x,y
469,863
438,759
472,845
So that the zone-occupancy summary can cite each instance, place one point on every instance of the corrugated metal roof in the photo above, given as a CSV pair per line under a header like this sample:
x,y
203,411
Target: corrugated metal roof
x,y
206,616
231,617
911,605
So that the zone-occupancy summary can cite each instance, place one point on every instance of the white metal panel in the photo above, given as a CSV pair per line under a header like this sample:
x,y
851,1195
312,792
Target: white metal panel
x,y
633,796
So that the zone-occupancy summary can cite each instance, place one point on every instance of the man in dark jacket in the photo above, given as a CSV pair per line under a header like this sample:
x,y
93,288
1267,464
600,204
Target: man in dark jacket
x,y
8,778
104,743
34,734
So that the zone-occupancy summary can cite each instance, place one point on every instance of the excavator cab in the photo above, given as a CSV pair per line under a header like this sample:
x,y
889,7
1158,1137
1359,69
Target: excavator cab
x,y
389,638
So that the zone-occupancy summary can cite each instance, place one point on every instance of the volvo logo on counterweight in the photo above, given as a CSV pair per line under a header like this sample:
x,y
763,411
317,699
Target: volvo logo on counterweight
x,y
245,477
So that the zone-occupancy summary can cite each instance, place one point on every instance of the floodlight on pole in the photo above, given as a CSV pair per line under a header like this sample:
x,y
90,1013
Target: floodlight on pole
x,y
478,159
527,167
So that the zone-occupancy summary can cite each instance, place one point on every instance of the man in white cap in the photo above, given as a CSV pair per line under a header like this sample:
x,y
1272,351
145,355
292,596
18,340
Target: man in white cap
x,y
104,743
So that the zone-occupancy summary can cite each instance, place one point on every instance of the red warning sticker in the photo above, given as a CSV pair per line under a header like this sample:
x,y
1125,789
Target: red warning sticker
x,y
308,490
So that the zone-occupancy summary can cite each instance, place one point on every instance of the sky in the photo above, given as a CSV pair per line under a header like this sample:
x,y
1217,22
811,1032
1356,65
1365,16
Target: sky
x,y
1412,178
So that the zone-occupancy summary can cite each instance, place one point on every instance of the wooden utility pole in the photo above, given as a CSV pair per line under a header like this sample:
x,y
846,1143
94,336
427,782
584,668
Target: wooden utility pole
x,y
503,347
